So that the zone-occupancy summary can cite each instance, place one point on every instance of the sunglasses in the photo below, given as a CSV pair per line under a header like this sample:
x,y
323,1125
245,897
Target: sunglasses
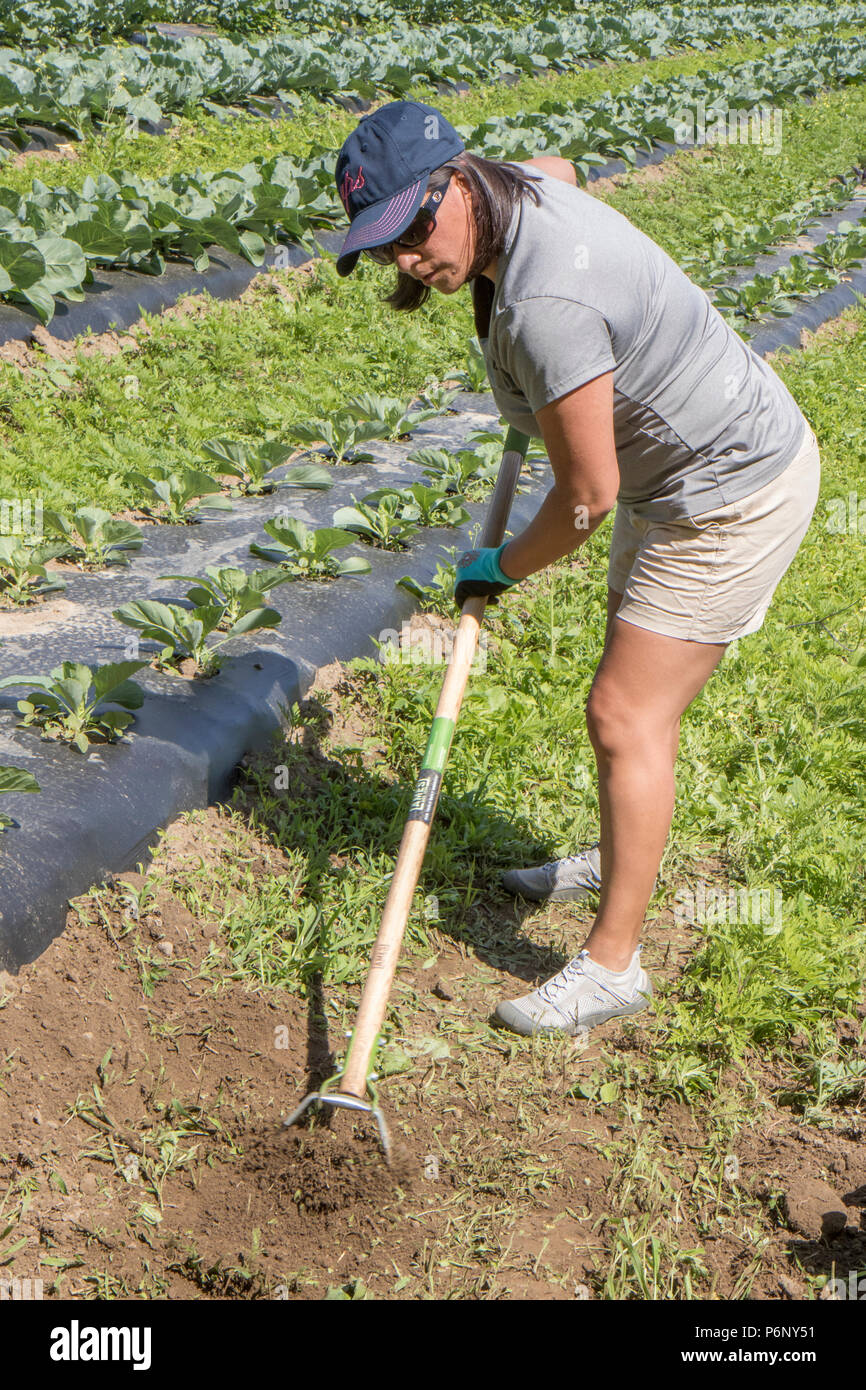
x,y
417,232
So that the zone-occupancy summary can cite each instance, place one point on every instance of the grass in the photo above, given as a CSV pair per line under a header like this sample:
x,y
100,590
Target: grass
x,y
770,766
236,370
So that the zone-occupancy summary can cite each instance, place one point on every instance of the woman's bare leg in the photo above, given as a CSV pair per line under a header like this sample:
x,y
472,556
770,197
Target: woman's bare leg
x,y
643,683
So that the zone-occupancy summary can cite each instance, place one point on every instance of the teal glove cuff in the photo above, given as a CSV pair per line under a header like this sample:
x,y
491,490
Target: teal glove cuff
x,y
480,573
496,569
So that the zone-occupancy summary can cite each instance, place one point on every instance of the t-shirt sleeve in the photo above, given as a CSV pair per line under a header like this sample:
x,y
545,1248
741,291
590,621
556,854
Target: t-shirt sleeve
x,y
549,346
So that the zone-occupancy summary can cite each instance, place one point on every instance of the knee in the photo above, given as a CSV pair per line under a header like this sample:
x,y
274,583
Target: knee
x,y
610,721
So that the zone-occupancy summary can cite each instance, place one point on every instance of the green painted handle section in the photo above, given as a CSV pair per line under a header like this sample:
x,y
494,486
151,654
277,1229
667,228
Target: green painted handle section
x,y
515,440
438,744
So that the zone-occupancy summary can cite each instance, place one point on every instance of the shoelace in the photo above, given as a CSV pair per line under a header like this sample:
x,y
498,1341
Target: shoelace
x,y
563,979
573,859
569,973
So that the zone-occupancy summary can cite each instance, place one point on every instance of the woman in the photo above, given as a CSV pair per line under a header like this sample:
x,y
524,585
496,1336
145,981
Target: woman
x,y
645,398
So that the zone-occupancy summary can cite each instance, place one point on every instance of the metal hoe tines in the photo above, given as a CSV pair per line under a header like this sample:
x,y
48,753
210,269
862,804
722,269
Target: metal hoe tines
x,y
346,1103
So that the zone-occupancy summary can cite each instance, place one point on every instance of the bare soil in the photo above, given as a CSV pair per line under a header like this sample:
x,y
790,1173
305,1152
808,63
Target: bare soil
x,y
66,150
845,325
649,176
144,1081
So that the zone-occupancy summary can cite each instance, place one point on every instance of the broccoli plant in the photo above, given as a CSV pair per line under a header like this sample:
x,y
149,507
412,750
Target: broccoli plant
x,y
306,553
177,491
474,375
392,418
435,506
93,536
23,576
384,519
253,464
234,591
342,434
469,472
844,248
15,779
69,703
438,595
440,397
184,631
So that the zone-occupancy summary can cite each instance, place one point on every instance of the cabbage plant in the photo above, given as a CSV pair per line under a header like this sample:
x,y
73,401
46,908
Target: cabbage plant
x,y
92,536
15,779
70,703
306,552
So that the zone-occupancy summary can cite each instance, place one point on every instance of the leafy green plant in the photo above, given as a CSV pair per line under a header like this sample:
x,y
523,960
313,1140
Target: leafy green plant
x,y
737,243
438,595
92,536
184,631
51,239
393,418
433,505
176,493
823,1081
383,519
233,590
473,377
23,576
803,277
253,464
845,248
439,397
172,73
69,703
469,472
342,433
15,779
306,552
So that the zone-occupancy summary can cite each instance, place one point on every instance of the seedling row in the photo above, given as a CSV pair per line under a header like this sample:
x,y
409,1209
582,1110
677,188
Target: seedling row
x,y
69,88
76,703
649,24
53,239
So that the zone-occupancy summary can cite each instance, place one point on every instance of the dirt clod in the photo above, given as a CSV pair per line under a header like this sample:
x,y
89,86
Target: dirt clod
x,y
814,1209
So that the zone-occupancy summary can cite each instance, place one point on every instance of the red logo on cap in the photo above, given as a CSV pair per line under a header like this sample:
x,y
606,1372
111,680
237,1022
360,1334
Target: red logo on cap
x,y
349,184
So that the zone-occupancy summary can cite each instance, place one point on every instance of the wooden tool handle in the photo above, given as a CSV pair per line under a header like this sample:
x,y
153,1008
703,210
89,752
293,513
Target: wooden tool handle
x,y
386,950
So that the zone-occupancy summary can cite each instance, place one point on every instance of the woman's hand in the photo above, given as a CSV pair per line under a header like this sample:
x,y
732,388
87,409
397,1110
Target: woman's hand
x,y
479,572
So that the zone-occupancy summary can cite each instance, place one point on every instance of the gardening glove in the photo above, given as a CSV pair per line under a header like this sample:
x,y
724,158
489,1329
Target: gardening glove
x,y
478,572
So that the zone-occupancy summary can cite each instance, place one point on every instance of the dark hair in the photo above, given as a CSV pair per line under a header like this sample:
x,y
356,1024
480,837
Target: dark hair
x,y
495,187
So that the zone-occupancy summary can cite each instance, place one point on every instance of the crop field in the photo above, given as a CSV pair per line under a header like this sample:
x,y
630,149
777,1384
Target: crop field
x,y
262,485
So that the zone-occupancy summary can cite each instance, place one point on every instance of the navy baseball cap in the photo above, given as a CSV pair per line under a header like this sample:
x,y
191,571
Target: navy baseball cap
x,y
382,172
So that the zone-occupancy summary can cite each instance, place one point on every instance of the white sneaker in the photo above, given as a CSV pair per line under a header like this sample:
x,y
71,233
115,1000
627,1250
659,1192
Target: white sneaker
x,y
560,880
582,995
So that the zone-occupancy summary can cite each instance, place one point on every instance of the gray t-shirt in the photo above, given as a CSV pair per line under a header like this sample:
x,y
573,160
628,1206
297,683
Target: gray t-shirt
x,y
699,419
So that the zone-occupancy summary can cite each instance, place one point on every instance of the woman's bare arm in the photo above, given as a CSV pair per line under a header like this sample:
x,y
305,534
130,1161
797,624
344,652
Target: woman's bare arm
x,y
552,164
578,435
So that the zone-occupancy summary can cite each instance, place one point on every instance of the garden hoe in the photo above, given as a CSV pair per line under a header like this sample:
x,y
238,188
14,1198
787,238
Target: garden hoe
x,y
352,1086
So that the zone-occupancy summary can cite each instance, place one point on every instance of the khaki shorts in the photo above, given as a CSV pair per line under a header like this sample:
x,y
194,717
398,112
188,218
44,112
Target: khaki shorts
x,y
710,578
